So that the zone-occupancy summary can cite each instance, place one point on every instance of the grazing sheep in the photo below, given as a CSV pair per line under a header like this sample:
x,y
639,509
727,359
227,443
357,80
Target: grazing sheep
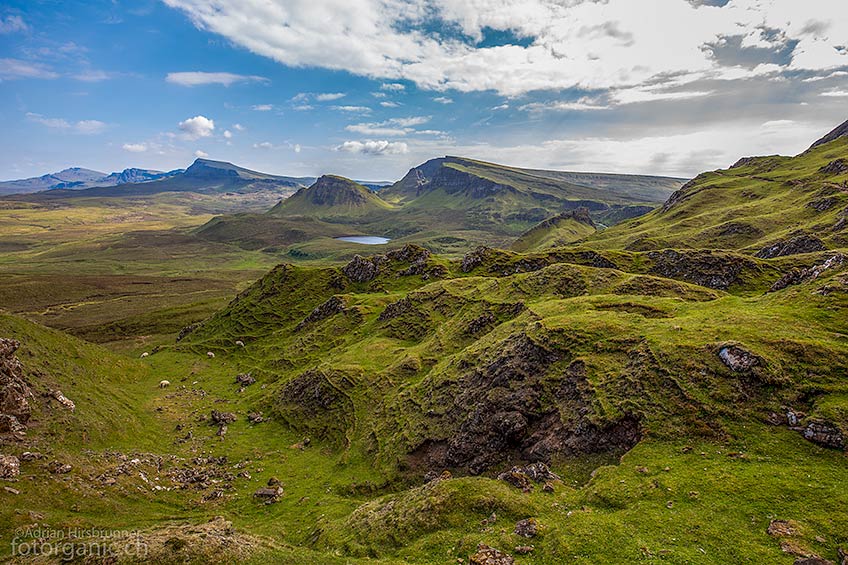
x,y
145,354
164,384
210,354
240,343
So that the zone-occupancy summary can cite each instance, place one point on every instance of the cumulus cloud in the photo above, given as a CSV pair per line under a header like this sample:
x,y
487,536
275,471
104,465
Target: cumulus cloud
x,y
371,147
263,107
197,127
352,109
135,147
198,78
228,134
87,127
329,96
201,154
587,45
443,100
393,127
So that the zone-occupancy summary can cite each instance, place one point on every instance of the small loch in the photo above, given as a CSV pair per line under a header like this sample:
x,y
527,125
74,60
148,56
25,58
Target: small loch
x,y
365,239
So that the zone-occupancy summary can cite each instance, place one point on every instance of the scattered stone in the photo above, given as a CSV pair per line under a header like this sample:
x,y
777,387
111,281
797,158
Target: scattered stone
x,y
222,430
245,379
738,359
63,400
521,477
524,549
824,433
255,417
798,276
548,487
301,445
474,259
782,529
274,482
223,417
58,468
187,330
11,490
527,528
490,556
812,561
269,494
31,456
843,556
10,467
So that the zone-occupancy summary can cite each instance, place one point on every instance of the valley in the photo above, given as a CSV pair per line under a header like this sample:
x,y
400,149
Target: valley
x,y
534,366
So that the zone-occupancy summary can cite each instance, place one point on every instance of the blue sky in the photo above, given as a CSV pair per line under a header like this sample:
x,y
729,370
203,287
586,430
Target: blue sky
x,y
370,88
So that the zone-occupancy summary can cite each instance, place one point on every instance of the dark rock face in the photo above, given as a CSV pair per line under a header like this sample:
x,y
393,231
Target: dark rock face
x,y
738,359
698,267
15,394
186,331
475,258
334,305
794,246
836,167
824,433
362,270
509,407
317,402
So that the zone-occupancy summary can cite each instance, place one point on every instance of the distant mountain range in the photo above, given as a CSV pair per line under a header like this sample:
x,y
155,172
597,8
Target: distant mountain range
x,y
76,178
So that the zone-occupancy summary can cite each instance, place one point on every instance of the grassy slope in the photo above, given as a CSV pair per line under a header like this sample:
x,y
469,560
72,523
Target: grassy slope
x,y
556,232
747,208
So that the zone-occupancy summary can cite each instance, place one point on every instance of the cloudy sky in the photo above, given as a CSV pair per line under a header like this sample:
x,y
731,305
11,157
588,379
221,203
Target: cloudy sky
x,y
369,88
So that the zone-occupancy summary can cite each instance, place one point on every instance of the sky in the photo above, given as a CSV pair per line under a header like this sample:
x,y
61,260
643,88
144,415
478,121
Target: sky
x,y
371,88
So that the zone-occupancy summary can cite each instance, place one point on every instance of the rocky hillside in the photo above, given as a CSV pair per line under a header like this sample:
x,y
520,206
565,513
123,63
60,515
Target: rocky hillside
x,y
331,195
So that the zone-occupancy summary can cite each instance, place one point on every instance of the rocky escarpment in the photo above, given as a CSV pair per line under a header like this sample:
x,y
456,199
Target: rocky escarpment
x,y
515,406
793,246
15,394
408,260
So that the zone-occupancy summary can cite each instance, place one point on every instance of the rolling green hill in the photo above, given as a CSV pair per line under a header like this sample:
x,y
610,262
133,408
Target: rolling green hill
x,y
558,231
331,196
768,205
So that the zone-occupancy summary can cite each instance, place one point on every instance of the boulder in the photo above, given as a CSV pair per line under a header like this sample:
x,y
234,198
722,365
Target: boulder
x,y
824,433
334,305
737,359
835,167
527,528
362,270
245,379
10,467
63,400
223,417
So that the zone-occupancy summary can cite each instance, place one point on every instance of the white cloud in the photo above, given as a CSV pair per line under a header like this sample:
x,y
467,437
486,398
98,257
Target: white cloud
x,y
835,93
228,134
239,127
296,148
329,96
11,24
88,127
11,69
370,147
201,154
197,78
583,44
393,87
263,145
443,100
503,106
303,107
353,109
394,127
581,105
93,75
389,104
263,107
135,147
197,127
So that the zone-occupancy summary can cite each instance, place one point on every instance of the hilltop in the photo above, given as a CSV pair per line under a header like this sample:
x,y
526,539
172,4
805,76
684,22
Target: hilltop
x,y
558,231
331,195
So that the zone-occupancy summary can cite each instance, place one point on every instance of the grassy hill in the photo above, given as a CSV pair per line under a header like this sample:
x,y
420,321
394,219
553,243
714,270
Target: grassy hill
x,y
558,231
331,196
786,203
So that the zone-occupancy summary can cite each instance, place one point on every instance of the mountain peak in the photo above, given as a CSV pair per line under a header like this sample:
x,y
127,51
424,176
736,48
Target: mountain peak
x,y
839,131
331,195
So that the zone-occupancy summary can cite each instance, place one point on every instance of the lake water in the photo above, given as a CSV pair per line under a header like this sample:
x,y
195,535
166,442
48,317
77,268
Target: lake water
x,y
365,239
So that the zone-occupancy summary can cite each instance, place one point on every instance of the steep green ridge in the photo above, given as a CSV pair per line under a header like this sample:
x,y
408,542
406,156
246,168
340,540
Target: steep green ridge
x,y
331,196
558,231
793,204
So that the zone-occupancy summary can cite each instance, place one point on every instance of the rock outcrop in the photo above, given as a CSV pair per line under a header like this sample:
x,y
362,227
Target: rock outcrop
x,y
794,246
15,394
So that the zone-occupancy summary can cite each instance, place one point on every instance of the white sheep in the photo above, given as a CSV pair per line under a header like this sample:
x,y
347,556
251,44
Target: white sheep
x,y
145,354
240,343
164,384
210,354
